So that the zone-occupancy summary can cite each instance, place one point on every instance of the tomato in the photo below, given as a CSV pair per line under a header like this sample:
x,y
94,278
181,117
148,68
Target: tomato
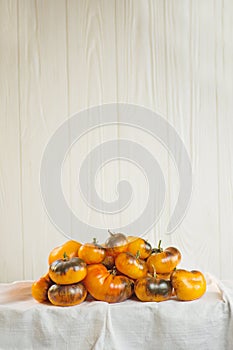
x,y
188,285
109,262
153,289
130,265
40,288
116,244
70,248
163,261
106,286
137,244
92,253
67,295
68,271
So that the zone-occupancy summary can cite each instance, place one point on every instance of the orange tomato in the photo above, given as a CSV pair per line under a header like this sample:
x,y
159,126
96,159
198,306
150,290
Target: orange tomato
x,y
40,288
92,253
70,248
67,271
137,244
153,289
163,261
130,265
188,285
106,286
67,295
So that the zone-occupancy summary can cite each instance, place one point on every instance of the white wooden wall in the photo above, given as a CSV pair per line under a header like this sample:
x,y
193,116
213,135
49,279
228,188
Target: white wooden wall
x,y
58,57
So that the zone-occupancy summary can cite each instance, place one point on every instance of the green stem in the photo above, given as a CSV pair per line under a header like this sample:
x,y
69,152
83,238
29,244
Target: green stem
x,y
137,256
159,246
159,249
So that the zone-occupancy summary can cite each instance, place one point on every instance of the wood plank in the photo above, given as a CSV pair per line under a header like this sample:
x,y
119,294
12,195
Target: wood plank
x,y
224,106
11,236
194,115
43,96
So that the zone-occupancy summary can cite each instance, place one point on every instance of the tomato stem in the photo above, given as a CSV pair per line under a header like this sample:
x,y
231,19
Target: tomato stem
x,y
111,233
65,256
95,241
113,271
137,256
159,249
159,246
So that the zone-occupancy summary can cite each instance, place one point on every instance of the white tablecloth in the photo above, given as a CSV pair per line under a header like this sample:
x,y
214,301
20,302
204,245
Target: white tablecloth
x,y
203,324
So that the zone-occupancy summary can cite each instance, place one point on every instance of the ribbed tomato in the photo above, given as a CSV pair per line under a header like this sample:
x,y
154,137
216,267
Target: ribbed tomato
x,y
70,248
153,289
188,285
163,261
40,288
138,244
67,295
106,286
130,265
92,253
67,271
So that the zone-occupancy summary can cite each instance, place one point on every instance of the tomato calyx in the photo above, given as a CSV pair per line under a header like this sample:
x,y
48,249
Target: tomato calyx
x,y
96,243
159,249
113,271
65,257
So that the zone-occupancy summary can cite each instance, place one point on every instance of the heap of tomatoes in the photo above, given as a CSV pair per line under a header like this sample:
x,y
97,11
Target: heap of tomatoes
x,y
114,271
